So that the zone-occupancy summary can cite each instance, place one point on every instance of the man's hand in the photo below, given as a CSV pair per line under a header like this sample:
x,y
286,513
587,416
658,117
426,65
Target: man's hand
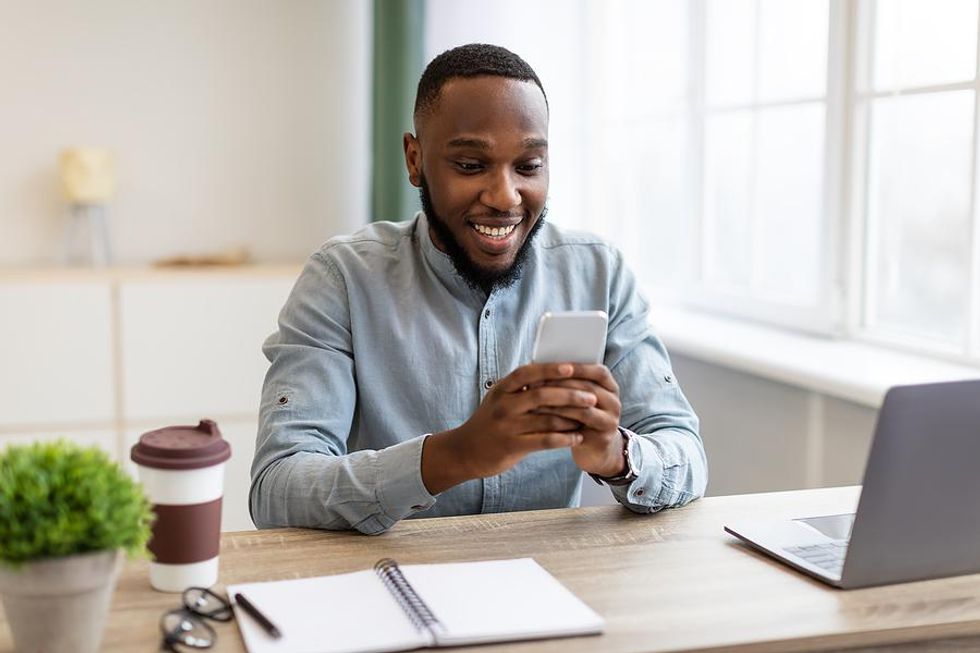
x,y
517,417
601,449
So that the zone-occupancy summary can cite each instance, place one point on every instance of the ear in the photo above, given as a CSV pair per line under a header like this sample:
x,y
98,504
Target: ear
x,y
413,158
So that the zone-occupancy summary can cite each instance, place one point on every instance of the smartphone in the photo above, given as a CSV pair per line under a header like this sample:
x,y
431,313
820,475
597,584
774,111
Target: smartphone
x,y
571,337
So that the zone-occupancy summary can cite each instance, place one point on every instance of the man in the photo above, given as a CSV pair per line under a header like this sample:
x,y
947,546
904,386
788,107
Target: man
x,y
400,384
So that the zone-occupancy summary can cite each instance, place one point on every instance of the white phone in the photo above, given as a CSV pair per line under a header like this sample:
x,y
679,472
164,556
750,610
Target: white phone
x,y
571,337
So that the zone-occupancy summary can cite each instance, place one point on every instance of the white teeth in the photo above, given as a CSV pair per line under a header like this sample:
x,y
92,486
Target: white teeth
x,y
494,232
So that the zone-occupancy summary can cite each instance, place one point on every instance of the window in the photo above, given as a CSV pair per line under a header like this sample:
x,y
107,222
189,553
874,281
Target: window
x,y
915,102
724,105
810,164
826,155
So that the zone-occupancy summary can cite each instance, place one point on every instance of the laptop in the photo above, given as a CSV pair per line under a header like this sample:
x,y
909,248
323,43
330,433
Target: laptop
x,y
919,512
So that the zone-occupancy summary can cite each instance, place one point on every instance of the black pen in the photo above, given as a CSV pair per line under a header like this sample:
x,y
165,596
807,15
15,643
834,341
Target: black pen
x,y
253,612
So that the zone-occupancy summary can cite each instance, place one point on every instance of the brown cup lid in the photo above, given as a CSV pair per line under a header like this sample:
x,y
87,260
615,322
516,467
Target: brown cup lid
x,y
182,447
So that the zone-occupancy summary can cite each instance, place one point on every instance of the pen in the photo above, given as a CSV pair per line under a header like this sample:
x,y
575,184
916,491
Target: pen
x,y
253,612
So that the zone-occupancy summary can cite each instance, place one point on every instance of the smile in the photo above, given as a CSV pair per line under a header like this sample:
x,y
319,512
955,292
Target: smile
x,y
495,232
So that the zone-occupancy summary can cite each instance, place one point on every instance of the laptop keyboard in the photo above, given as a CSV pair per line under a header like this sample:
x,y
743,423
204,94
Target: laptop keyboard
x,y
828,556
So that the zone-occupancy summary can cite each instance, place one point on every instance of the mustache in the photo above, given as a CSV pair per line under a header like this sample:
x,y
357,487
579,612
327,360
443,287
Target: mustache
x,y
497,214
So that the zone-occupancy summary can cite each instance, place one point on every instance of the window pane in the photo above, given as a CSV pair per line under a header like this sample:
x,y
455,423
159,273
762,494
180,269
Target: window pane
x,y
792,49
730,51
647,56
919,205
649,184
789,200
727,234
922,42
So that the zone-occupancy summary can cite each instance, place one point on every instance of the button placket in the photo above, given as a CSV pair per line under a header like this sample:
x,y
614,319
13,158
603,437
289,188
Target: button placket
x,y
488,350
488,374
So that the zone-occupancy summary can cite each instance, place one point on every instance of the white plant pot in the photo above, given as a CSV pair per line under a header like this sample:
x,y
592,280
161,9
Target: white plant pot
x,y
59,605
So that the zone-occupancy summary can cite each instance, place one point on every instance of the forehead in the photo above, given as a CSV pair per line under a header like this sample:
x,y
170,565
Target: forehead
x,y
494,108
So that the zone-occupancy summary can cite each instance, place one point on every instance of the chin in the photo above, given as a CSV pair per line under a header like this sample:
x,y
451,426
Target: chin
x,y
496,269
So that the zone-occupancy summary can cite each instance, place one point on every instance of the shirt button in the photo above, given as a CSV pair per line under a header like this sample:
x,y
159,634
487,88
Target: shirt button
x,y
418,507
668,378
639,492
486,313
488,384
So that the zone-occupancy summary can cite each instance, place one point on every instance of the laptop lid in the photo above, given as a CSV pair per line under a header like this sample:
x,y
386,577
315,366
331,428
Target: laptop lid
x,y
919,512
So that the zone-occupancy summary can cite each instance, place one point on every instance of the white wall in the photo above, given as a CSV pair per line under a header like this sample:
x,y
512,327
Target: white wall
x,y
559,61
762,435
233,122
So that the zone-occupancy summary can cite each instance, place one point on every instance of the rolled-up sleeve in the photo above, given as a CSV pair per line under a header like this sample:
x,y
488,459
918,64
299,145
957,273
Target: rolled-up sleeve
x,y
302,473
668,446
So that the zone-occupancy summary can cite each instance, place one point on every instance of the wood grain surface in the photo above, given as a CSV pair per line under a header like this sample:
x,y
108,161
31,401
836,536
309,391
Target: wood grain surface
x,y
673,581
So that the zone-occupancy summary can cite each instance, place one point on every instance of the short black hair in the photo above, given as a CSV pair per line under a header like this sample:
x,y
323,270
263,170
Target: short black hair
x,y
471,60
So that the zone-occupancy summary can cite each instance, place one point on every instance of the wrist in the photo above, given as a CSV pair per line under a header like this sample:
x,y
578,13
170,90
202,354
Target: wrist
x,y
614,463
628,468
443,462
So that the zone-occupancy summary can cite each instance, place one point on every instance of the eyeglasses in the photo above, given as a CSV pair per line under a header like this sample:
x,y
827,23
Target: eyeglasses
x,y
186,627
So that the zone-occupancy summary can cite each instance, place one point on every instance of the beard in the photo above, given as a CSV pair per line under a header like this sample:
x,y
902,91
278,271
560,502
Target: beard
x,y
475,276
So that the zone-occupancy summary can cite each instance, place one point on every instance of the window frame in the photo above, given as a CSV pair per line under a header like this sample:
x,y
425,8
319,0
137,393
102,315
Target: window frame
x,y
860,274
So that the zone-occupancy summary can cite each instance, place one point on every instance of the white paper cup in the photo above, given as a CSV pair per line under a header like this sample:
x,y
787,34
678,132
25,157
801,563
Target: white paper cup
x,y
182,471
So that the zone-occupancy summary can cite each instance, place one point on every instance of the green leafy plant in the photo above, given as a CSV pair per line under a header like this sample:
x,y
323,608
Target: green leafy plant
x,y
59,499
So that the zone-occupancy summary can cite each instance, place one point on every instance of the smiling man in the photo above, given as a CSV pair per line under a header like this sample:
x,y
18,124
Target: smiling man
x,y
400,384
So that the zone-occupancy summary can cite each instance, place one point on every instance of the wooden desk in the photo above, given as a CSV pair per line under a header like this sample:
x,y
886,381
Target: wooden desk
x,y
668,582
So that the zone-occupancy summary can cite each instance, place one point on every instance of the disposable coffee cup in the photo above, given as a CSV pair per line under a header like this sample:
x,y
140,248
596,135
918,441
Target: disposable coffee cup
x,y
182,470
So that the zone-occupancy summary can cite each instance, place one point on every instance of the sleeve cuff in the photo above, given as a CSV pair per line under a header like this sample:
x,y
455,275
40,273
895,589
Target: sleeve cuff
x,y
646,492
401,491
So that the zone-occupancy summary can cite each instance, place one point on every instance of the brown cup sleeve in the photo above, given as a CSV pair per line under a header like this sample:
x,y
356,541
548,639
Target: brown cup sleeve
x,y
187,533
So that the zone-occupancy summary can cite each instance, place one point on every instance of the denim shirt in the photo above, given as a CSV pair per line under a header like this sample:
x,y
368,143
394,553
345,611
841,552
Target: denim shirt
x,y
381,343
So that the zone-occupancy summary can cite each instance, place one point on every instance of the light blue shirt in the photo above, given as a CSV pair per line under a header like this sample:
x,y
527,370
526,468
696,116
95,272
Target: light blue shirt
x,y
381,343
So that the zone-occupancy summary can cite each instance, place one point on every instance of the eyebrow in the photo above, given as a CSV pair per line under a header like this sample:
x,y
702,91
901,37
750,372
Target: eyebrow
x,y
480,144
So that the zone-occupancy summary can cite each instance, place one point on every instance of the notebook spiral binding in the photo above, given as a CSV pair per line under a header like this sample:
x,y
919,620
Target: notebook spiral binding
x,y
413,605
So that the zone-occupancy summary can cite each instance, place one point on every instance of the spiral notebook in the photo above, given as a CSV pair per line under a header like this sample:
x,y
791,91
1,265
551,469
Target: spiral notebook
x,y
400,608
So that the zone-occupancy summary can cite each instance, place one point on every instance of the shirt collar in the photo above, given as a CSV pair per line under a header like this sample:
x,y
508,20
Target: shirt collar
x,y
441,265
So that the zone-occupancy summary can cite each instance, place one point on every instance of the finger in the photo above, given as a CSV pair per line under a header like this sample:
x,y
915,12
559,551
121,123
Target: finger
x,y
532,386
606,399
549,440
534,373
531,400
541,423
590,418
598,373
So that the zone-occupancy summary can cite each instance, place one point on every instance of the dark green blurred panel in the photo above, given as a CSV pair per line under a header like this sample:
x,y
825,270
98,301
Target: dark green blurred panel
x,y
398,63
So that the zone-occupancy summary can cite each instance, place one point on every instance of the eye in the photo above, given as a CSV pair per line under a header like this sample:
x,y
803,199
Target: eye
x,y
469,166
530,168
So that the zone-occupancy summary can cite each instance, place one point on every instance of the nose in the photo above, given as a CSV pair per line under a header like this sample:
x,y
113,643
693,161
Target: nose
x,y
501,193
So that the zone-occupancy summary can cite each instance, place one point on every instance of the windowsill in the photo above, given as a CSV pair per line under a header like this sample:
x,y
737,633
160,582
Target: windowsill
x,y
845,369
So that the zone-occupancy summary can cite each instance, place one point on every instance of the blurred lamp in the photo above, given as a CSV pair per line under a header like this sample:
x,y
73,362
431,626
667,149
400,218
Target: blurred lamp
x,y
88,178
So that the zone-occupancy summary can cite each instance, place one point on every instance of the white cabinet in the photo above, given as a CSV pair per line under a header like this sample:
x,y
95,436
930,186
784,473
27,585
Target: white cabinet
x,y
100,357
234,507
193,345
55,354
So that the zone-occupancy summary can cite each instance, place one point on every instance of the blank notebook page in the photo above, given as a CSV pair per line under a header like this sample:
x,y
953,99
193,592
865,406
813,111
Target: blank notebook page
x,y
330,614
499,600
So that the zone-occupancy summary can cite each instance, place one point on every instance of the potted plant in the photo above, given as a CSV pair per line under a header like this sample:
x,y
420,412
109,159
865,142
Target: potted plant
x,y
67,513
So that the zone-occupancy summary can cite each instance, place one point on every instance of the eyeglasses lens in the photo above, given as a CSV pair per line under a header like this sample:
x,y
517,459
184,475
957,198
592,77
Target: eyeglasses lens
x,y
206,603
184,628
